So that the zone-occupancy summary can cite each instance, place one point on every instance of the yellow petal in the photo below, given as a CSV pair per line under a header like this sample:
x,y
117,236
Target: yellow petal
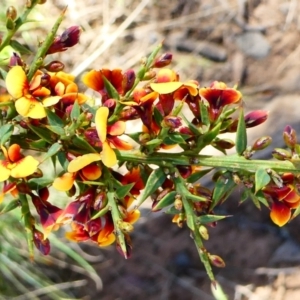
x,y
30,107
165,87
25,167
132,216
72,88
4,172
104,241
82,161
16,82
51,101
108,155
101,122
65,182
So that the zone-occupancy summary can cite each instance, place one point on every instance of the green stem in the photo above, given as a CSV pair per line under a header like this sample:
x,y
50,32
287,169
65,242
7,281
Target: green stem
x,y
42,51
19,22
191,220
230,162
112,205
28,222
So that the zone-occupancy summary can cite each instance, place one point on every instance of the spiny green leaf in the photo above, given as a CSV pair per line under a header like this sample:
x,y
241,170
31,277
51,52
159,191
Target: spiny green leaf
x,y
210,218
262,178
155,180
152,56
42,132
5,132
197,175
124,190
241,135
223,188
112,92
56,129
62,158
11,205
204,113
75,112
81,143
157,116
54,119
19,47
38,183
167,200
54,149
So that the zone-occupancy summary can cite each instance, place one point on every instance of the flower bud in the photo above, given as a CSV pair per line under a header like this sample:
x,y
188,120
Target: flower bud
x,y
144,138
224,143
128,247
129,114
42,245
54,66
149,75
128,80
15,60
261,143
178,203
281,154
44,193
290,137
100,201
203,232
255,118
11,13
45,79
216,260
110,103
185,171
69,38
163,61
172,122
125,227
28,3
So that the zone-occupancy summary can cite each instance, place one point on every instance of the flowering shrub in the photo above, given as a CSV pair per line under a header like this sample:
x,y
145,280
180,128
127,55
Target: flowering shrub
x,y
107,172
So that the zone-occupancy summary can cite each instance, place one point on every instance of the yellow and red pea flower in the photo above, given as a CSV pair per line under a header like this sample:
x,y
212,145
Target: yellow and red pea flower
x,y
219,95
49,214
94,80
62,84
31,97
85,166
108,135
285,199
15,164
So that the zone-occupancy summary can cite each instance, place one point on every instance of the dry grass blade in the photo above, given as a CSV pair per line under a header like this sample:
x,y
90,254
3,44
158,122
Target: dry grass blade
x,y
110,40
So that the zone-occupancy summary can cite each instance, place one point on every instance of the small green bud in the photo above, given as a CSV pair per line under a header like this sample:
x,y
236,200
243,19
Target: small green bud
x,y
54,66
178,204
10,24
203,232
290,137
281,154
262,143
11,13
125,227
216,260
